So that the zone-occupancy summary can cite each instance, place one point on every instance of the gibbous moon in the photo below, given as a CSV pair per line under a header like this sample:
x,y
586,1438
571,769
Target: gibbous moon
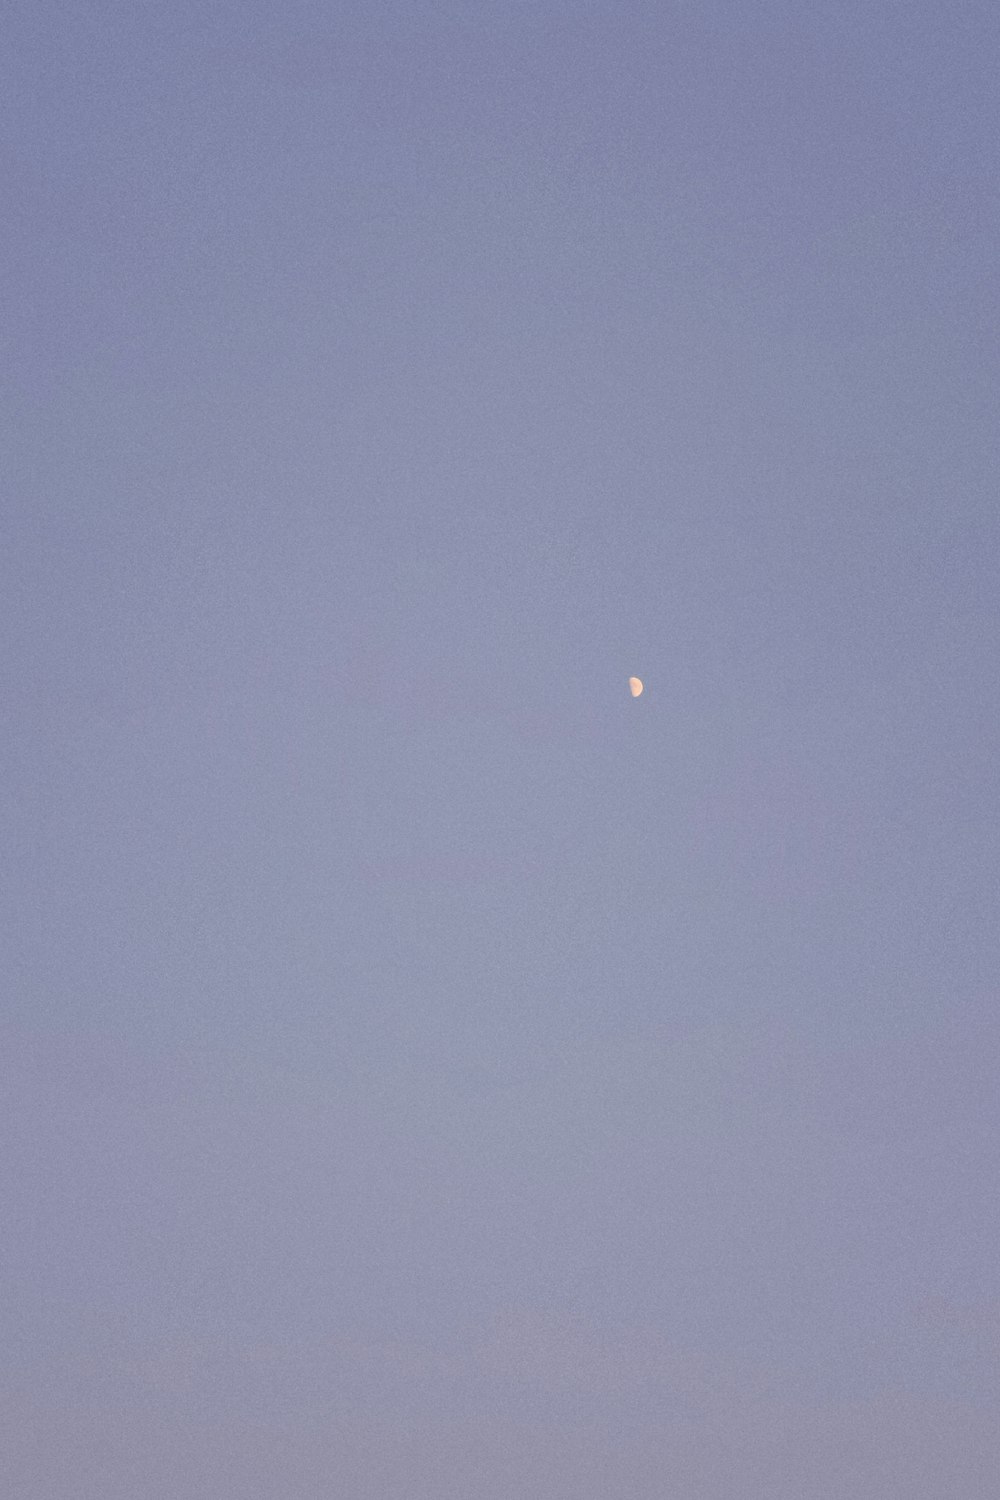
x,y
634,686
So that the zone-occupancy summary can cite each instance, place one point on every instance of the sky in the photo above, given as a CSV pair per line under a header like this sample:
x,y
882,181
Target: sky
x,y
426,1071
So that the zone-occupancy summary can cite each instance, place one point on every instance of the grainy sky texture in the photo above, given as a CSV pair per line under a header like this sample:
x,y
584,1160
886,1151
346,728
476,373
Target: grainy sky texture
x,y
427,1072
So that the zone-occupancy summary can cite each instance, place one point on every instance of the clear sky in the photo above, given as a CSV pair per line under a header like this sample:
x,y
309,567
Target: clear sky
x,y
427,1072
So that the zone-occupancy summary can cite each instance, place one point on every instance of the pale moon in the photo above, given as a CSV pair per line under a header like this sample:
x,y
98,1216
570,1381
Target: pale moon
x,y
634,686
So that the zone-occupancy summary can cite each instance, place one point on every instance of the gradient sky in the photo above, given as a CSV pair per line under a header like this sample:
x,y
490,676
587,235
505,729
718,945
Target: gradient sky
x,y
427,1072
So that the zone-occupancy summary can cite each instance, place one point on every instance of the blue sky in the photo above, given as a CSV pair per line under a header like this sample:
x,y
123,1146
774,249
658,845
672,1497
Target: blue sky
x,y
428,1071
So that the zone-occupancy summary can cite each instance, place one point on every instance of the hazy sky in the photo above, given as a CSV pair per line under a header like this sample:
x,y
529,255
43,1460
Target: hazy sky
x,y
427,1072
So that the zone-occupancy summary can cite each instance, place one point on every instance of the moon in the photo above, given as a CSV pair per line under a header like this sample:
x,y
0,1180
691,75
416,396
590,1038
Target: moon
x,y
634,686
